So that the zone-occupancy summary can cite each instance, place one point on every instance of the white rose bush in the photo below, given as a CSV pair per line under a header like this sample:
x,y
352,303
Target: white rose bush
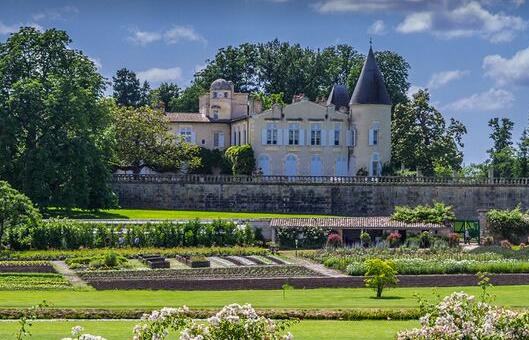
x,y
461,316
233,322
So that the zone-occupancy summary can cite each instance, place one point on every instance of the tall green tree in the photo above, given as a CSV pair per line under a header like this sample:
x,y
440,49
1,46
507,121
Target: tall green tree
x,y
163,95
52,121
422,140
145,92
127,90
522,169
144,139
502,157
187,101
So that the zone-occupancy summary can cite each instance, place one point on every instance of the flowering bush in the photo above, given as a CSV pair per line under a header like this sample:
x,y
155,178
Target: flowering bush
x,y
460,316
334,240
394,239
77,334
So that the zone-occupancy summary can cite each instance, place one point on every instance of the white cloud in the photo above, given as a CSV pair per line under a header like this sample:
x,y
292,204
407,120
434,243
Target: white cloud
x,y
378,27
182,33
56,13
413,90
200,67
156,74
469,19
144,37
491,100
508,71
6,29
440,79
97,62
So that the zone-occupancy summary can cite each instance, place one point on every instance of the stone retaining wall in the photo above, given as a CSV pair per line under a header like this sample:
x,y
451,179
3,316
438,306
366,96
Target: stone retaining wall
x,y
348,199
449,280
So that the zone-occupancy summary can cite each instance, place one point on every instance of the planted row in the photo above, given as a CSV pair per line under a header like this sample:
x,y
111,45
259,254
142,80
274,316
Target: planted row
x,y
33,281
130,252
71,234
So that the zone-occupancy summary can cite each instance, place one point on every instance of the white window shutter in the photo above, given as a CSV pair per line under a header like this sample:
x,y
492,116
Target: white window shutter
x,y
331,138
349,138
285,134
221,140
193,137
301,136
323,137
263,136
279,136
370,136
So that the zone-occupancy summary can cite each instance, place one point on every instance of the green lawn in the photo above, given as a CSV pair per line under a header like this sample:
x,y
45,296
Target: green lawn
x,y
512,296
118,330
168,214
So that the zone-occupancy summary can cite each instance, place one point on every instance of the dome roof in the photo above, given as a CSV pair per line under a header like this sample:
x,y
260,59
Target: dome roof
x,y
221,84
339,97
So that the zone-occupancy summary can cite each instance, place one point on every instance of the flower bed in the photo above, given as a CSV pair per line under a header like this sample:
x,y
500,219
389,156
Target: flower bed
x,y
33,281
194,261
426,261
131,252
26,267
203,273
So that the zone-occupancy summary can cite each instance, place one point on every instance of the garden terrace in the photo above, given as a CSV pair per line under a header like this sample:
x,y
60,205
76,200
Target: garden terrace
x,y
26,267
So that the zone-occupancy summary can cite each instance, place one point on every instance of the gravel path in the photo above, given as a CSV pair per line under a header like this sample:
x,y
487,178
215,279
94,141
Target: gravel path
x,y
317,267
70,275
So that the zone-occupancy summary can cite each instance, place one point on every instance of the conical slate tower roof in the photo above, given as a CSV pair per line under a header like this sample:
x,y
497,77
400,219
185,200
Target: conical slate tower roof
x,y
370,88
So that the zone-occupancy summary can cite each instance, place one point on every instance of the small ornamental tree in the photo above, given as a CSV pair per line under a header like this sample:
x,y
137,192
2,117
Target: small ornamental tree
x,y
425,240
334,240
380,274
17,213
242,159
394,239
365,238
509,224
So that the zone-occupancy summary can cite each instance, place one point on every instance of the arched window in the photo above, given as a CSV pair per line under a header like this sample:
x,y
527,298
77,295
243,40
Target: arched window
x,y
316,167
263,165
291,165
375,167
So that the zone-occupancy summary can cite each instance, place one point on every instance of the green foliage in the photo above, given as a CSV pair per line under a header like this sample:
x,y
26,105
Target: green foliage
x,y
53,122
126,86
110,260
425,239
17,216
187,101
268,101
509,224
308,238
241,158
380,274
69,234
422,140
163,95
365,238
502,155
143,138
438,213
212,161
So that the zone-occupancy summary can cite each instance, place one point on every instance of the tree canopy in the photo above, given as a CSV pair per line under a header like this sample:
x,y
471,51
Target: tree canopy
x,y
422,140
127,90
52,122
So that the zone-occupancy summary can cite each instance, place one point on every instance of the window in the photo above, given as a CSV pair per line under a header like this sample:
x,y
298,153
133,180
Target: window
x,y
353,136
376,166
271,134
225,94
373,133
218,139
337,134
315,134
234,138
293,134
187,134
244,136
375,136
214,94
239,138
215,113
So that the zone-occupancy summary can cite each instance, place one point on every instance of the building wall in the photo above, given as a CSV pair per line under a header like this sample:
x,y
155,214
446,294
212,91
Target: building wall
x,y
339,199
308,159
203,133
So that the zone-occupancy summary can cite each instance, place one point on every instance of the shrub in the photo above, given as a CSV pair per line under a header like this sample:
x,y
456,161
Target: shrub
x,y
110,260
509,224
241,158
309,238
334,240
394,239
380,274
18,217
425,240
438,213
461,316
453,240
365,238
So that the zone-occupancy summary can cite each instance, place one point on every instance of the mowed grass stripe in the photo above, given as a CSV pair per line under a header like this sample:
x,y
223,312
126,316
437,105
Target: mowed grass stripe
x,y
511,296
305,330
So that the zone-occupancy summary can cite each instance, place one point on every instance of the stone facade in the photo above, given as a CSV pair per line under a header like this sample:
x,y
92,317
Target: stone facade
x,y
346,199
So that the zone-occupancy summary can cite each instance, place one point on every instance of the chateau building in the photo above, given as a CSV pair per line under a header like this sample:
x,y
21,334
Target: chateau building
x,y
344,136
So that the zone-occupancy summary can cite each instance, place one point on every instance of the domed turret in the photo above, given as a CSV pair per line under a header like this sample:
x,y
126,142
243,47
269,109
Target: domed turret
x,y
221,85
339,97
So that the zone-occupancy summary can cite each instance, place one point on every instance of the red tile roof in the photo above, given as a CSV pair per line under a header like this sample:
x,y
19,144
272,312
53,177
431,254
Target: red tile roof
x,y
378,222
175,117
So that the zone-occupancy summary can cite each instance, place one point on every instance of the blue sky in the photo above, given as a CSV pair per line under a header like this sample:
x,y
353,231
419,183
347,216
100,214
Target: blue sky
x,y
472,55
